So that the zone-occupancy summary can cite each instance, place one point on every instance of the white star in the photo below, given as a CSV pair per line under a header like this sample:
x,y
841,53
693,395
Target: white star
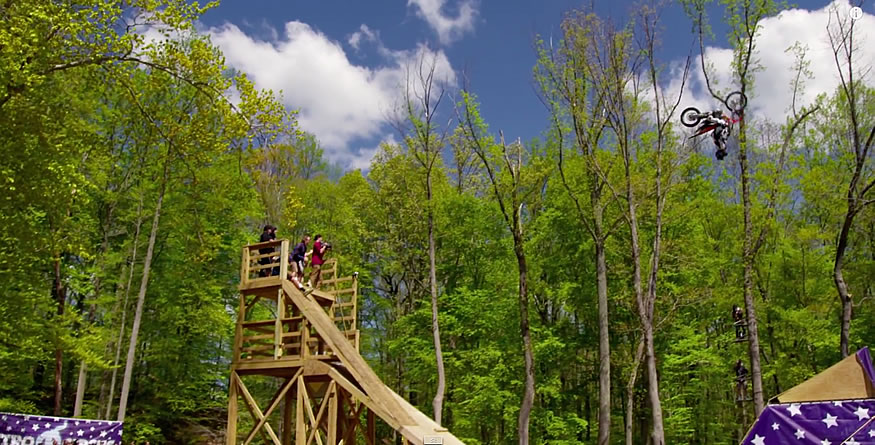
x,y
4,417
862,413
8,428
794,409
80,433
103,434
851,441
47,425
837,403
799,434
775,426
830,421
76,423
35,427
92,428
872,432
758,440
825,442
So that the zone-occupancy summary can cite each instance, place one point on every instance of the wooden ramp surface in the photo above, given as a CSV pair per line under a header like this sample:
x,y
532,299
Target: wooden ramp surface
x,y
415,426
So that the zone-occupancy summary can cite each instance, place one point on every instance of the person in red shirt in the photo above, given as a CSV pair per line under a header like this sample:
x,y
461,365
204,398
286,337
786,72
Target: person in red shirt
x,y
316,262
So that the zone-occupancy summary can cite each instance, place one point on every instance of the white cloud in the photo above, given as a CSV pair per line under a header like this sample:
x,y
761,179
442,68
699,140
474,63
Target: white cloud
x,y
447,28
340,102
772,94
364,32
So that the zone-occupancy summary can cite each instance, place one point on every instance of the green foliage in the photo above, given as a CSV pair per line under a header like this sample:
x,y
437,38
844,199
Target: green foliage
x,y
91,137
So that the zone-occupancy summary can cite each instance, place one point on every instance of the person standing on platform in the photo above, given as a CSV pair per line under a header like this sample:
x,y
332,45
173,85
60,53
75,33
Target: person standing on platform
x,y
316,261
269,234
299,259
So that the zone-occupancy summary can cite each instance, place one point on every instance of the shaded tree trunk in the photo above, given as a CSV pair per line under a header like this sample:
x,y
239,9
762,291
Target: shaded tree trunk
x,y
438,402
630,391
748,259
61,298
529,394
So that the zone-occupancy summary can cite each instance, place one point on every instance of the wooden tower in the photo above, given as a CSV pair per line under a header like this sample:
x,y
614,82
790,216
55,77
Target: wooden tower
x,y
307,347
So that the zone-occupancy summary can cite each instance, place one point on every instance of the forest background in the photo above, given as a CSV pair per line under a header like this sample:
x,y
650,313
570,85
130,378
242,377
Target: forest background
x,y
582,282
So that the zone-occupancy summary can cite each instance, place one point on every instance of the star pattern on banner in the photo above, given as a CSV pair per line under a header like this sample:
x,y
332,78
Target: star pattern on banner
x,y
830,421
846,422
26,429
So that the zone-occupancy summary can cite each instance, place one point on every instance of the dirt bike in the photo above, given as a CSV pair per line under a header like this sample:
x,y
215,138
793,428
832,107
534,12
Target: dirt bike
x,y
715,121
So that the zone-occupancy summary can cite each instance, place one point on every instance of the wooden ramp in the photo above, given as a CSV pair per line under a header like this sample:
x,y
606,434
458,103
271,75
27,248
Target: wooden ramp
x,y
307,347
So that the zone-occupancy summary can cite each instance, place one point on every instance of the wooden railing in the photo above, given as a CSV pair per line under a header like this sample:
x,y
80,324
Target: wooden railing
x,y
278,331
264,263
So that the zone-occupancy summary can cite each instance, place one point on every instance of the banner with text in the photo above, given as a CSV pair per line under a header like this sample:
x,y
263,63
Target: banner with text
x,y
21,429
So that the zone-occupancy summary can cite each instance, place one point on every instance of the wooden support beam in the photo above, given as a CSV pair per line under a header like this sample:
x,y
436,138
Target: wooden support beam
x,y
352,421
334,395
256,412
300,426
372,427
231,430
322,406
275,401
288,405
302,388
278,325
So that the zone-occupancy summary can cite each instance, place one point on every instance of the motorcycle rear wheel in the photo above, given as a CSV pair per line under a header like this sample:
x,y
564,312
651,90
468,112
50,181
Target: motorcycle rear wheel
x,y
690,117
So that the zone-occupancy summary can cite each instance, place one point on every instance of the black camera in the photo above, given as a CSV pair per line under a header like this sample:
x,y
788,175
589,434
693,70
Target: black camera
x,y
327,246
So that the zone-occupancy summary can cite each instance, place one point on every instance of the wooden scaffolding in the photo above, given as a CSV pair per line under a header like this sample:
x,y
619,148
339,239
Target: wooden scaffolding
x,y
308,346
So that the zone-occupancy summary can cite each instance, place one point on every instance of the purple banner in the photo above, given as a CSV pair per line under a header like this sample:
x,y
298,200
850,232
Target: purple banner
x,y
21,429
848,422
866,362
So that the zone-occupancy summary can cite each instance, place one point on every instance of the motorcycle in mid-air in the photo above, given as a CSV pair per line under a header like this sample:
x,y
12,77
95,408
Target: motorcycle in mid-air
x,y
715,121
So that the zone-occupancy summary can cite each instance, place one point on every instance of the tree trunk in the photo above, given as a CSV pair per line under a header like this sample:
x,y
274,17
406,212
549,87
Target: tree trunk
x,y
438,402
630,390
141,297
529,394
61,298
604,344
841,286
748,259
80,389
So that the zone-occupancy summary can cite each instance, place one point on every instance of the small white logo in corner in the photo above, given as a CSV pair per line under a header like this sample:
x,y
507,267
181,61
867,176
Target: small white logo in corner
x,y
432,440
856,13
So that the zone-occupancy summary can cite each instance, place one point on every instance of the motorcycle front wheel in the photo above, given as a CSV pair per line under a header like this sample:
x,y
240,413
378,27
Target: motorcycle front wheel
x,y
736,101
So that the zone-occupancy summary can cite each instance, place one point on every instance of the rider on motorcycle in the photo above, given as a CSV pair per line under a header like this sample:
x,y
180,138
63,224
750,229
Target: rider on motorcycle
x,y
720,133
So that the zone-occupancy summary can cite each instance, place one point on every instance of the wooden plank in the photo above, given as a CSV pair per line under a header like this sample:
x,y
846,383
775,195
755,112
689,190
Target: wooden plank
x,y
231,430
253,407
332,415
284,260
372,428
300,425
261,245
287,417
251,338
244,266
238,329
278,326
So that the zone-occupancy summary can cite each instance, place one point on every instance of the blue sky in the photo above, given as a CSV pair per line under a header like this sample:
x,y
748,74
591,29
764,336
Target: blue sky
x,y
342,62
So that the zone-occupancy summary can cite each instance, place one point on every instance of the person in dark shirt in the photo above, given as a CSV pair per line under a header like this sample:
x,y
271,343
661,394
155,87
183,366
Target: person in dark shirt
x,y
740,327
268,234
299,259
316,262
